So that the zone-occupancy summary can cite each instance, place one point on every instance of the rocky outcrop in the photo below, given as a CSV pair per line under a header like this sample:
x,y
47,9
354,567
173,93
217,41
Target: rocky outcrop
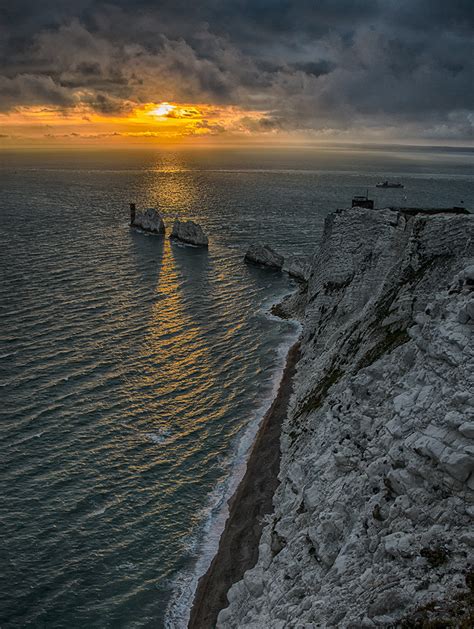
x,y
373,516
292,306
298,267
263,255
190,233
150,221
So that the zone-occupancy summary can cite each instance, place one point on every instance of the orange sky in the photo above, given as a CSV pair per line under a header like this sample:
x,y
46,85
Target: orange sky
x,y
165,124
153,123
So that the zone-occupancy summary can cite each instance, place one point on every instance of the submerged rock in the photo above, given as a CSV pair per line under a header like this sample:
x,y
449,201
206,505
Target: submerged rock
x,y
189,232
150,221
263,255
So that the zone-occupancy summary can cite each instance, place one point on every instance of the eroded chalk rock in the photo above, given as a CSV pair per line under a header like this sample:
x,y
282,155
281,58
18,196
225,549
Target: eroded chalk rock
x,y
150,221
467,429
264,255
298,267
190,233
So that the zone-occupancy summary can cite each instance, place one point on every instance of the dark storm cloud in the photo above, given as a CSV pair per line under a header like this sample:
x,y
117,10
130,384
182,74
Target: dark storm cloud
x,y
314,65
28,89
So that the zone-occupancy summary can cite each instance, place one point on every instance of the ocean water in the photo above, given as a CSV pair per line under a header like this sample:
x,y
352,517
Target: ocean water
x,y
134,372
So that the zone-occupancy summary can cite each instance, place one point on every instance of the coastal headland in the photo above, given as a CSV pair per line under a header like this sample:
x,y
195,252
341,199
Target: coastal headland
x,y
370,521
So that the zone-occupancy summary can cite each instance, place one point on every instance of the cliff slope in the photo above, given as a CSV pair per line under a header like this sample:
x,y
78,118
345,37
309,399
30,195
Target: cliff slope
x,y
373,517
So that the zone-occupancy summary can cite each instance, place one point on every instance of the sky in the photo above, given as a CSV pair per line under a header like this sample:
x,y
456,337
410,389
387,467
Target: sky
x,y
216,72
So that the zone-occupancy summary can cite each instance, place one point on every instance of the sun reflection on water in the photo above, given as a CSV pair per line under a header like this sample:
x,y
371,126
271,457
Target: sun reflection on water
x,y
172,188
184,374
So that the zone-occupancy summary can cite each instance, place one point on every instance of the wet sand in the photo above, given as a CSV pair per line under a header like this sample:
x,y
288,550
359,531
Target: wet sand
x,y
238,546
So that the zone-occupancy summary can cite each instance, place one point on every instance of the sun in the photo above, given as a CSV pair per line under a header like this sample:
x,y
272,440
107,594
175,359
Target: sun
x,y
163,109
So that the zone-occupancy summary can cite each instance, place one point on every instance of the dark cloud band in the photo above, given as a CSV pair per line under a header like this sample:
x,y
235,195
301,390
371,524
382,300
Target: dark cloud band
x,y
315,65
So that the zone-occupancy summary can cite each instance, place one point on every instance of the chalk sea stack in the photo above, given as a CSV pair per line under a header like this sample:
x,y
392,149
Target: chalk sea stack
x,y
263,255
190,233
148,220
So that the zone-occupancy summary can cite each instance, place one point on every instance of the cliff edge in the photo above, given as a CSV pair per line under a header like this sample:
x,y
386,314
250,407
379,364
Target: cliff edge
x,y
372,520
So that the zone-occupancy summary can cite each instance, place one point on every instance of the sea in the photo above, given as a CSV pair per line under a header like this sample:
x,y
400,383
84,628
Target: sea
x,y
134,371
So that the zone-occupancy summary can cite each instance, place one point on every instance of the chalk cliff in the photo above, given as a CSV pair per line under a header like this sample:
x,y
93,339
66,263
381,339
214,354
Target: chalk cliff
x,y
372,522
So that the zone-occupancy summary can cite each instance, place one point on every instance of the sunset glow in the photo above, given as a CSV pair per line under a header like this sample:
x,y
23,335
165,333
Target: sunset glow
x,y
163,110
160,123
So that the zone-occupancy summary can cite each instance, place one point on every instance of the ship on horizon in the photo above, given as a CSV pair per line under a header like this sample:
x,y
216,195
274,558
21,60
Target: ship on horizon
x,y
389,184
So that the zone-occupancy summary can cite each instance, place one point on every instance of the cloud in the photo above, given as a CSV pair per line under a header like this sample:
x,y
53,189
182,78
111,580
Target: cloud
x,y
28,89
104,104
405,66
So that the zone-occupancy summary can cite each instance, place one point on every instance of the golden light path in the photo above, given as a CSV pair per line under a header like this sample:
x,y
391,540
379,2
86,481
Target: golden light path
x,y
162,123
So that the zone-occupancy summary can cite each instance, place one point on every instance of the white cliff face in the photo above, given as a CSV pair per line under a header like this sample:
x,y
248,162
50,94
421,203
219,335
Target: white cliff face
x,y
149,220
373,518
190,233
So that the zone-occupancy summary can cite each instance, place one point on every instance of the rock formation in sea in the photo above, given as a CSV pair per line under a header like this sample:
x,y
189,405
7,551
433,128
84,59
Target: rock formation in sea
x,y
298,267
264,255
149,220
190,233
373,518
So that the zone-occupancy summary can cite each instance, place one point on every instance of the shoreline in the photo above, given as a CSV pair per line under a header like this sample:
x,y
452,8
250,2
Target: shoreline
x,y
252,500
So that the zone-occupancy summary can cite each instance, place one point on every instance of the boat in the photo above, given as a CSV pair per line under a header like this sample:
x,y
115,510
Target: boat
x,y
389,184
